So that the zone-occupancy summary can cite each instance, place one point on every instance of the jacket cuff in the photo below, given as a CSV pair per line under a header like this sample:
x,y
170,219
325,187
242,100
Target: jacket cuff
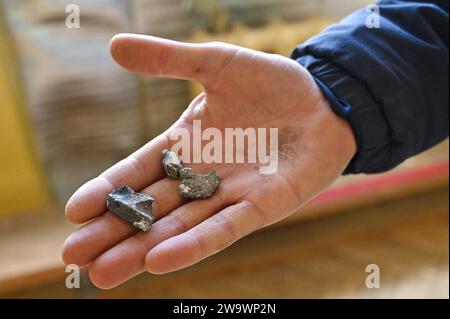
x,y
352,100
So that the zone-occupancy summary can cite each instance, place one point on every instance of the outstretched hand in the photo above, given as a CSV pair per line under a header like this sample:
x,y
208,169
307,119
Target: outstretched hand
x,y
242,88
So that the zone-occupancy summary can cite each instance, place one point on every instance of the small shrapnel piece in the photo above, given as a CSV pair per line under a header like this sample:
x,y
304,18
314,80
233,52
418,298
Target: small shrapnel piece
x,y
199,186
184,172
135,208
172,164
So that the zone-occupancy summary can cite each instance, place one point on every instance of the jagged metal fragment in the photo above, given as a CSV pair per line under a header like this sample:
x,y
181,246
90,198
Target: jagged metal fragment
x,y
184,172
199,186
135,208
172,164
192,186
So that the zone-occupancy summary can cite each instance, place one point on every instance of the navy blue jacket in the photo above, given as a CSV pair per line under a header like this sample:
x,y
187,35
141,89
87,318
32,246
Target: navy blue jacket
x,y
391,83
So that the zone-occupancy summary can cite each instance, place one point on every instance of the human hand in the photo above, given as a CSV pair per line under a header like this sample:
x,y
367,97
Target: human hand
x,y
242,88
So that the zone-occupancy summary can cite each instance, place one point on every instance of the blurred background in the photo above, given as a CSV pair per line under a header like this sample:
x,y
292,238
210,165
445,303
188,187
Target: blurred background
x,y
67,113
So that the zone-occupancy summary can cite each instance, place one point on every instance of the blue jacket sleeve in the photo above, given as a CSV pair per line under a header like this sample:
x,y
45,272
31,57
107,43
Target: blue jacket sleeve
x,y
391,83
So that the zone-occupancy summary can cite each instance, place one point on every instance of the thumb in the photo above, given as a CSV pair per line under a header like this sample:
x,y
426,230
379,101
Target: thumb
x,y
166,58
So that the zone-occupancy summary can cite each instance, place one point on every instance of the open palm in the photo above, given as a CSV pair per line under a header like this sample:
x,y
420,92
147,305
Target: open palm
x,y
243,89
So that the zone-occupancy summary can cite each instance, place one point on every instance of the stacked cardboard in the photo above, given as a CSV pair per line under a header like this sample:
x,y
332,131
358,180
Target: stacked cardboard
x,y
83,107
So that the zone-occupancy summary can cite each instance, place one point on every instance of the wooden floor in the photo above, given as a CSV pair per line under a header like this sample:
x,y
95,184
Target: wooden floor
x,y
324,258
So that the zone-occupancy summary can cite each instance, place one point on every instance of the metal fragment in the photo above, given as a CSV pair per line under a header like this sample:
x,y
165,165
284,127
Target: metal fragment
x,y
184,172
199,186
135,208
172,164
